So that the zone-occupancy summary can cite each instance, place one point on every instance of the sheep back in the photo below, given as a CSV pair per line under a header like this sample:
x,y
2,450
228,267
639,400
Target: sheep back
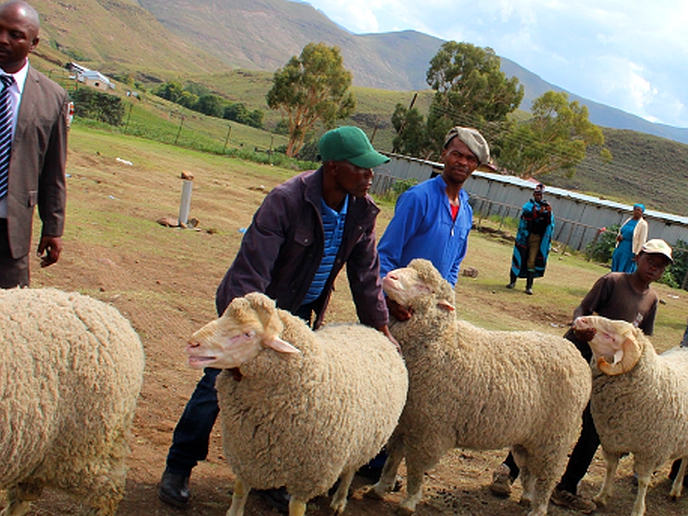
x,y
493,389
299,420
648,404
72,369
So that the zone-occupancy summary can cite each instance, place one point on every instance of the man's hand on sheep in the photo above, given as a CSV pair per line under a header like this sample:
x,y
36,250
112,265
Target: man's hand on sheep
x,y
400,313
229,342
585,334
613,343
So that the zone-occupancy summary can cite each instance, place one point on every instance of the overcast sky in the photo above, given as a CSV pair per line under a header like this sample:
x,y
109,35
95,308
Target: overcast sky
x,y
628,54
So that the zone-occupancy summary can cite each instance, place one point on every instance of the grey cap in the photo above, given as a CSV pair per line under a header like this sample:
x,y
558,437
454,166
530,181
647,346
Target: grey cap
x,y
473,140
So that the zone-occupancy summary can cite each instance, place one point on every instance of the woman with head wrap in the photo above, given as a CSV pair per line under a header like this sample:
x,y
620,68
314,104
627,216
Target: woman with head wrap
x,y
631,237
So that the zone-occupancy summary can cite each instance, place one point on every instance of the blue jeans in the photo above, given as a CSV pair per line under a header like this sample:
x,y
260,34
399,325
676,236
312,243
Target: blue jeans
x,y
192,433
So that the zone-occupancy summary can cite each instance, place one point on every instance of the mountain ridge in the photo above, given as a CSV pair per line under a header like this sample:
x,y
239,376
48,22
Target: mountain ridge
x,y
169,38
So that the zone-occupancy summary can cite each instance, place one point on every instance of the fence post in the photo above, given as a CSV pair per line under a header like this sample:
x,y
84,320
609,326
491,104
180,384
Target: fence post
x,y
184,206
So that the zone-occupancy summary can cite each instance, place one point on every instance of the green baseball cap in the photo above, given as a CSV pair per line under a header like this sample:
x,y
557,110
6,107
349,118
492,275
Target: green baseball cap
x,y
349,143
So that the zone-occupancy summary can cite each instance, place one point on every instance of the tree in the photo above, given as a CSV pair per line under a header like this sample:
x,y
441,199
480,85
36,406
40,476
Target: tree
x,y
175,92
210,104
555,138
310,88
239,113
90,103
470,88
411,138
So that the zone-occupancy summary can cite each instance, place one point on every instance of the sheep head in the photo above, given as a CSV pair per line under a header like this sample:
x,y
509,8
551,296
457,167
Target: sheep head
x,y
615,346
249,324
418,281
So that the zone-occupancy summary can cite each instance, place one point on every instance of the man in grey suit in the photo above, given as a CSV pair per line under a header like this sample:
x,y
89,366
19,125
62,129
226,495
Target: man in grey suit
x,y
35,173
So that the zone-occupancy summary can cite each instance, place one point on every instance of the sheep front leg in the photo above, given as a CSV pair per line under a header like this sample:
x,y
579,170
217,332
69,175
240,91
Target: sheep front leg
x,y
339,499
677,486
238,498
414,488
612,463
395,453
644,477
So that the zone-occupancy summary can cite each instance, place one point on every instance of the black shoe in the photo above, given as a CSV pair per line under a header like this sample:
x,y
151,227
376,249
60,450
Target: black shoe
x,y
276,498
174,490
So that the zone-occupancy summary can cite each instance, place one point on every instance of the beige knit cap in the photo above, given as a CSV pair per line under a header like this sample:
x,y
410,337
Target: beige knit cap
x,y
473,140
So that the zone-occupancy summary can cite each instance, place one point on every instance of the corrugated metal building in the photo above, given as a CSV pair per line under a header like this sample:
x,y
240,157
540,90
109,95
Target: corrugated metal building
x,y
578,217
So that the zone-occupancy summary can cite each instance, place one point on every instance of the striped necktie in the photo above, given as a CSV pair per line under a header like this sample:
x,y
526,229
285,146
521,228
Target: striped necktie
x,y
5,132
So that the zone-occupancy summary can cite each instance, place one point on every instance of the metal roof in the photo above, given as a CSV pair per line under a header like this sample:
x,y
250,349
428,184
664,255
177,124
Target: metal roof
x,y
524,183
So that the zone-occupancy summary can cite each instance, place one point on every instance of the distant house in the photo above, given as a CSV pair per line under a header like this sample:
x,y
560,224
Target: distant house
x,y
90,77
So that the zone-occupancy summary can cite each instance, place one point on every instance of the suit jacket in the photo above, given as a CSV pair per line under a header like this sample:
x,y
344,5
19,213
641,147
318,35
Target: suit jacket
x,y
37,162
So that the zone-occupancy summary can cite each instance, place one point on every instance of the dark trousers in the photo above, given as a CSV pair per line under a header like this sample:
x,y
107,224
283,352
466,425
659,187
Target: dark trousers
x,y
191,436
582,454
13,272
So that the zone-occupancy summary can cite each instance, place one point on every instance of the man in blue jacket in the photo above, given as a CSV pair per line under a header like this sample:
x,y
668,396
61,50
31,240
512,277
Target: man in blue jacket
x,y
432,220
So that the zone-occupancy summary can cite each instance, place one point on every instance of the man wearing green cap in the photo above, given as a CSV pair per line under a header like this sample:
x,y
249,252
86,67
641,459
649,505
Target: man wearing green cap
x,y
301,236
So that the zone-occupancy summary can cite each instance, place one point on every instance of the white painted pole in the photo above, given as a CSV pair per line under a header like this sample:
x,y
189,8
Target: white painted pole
x,y
187,186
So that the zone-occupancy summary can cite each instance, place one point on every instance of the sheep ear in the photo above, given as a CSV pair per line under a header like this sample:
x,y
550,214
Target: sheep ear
x,y
445,305
631,355
279,345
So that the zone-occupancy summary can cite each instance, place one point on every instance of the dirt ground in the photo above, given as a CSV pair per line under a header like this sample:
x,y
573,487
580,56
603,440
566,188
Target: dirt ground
x,y
153,295
456,487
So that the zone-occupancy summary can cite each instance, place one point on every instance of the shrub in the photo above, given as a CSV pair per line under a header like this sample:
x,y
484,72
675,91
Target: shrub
x,y
398,187
602,248
676,272
90,103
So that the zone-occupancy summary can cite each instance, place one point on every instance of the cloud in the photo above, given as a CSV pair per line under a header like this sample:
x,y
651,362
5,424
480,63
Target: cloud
x,y
628,54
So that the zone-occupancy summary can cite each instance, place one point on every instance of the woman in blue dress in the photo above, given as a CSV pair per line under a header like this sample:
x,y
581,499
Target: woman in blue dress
x,y
632,235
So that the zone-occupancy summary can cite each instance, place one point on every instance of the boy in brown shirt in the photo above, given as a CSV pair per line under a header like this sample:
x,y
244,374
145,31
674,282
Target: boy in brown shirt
x,y
619,296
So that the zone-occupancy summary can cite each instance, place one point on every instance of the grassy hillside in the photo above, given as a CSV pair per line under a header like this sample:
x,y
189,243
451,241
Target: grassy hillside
x,y
117,36
645,168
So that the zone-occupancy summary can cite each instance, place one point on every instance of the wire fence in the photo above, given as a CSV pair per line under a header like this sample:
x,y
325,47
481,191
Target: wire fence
x,y
571,234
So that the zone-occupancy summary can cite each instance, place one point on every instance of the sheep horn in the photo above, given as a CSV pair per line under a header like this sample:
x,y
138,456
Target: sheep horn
x,y
631,355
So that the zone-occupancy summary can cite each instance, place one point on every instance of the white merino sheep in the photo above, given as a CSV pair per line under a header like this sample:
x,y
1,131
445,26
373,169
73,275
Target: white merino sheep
x,y
308,407
71,372
639,403
479,389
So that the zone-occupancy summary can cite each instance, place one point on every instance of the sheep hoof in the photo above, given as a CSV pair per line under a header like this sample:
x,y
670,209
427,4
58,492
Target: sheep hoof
x,y
372,494
600,501
405,511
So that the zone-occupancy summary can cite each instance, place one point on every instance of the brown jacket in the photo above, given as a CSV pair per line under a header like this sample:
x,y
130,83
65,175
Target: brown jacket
x,y
37,163
282,250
